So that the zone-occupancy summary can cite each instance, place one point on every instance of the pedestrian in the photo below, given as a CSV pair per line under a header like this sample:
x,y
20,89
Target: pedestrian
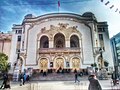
x,y
76,77
94,83
24,78
114,78
27,78
5,78
21,78
7,85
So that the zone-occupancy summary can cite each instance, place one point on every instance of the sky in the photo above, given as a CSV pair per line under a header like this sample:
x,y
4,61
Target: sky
x,y
13,11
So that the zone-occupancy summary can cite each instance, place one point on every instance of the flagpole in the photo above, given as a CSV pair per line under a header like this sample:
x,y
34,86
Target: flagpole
x,y
58,6
58,9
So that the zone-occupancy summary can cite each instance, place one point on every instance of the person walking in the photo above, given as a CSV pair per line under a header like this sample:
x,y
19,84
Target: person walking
x,y
7,85
76,77
94,83
24,78
21,78
5,79
114,78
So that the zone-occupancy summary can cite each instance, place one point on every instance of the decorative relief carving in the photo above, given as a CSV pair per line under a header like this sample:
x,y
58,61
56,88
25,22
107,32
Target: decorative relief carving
x,y
43,30
52,27
63,26
51,36
75,27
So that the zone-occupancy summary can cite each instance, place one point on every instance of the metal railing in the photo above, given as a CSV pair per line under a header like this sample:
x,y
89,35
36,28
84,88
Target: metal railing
x,y
50,50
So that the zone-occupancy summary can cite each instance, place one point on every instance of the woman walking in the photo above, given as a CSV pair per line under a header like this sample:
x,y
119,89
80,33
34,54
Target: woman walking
x,y
94,83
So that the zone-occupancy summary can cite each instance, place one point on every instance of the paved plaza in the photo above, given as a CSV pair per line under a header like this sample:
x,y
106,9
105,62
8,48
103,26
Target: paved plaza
x,y
61,85
60,82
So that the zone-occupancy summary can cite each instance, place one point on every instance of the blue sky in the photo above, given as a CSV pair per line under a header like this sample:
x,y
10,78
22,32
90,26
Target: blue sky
x,y
13,11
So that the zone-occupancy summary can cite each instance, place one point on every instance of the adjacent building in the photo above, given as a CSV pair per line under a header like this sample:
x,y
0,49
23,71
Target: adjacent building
x,y
5,43
115,43
58,41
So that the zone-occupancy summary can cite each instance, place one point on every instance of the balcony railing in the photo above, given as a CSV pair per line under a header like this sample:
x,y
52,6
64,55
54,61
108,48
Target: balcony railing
x,y
59,50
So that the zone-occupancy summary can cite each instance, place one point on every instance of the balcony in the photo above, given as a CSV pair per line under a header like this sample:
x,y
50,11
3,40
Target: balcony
x,y
59,50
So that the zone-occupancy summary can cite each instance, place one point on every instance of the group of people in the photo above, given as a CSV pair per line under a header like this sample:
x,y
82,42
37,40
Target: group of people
x,y
6,81
23,78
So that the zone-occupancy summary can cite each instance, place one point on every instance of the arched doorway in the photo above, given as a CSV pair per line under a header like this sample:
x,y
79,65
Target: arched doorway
x,y
75,63
59,64
43,64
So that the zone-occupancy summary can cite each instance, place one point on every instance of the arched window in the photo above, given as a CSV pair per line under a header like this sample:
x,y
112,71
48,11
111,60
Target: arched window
x,y
44,43
74,41
59,41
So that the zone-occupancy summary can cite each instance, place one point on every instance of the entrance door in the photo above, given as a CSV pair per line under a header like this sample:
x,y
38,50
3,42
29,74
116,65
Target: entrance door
x,y
44,64
75,63
59,63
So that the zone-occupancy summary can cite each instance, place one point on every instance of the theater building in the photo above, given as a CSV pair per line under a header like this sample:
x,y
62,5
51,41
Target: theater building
x,y
60,41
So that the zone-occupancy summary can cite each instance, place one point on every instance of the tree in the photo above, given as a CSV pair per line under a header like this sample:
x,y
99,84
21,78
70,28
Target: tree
x,y
4,65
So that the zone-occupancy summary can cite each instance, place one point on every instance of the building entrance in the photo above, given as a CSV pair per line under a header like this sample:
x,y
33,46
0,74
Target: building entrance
x,y
59,64
75,64
44,64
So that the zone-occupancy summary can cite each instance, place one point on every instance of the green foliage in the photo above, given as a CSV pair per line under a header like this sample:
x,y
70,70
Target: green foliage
x,y
3,62
106,63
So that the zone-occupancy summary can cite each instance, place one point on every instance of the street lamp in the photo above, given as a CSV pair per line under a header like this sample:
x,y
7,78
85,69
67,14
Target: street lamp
x,y
18,56
100,50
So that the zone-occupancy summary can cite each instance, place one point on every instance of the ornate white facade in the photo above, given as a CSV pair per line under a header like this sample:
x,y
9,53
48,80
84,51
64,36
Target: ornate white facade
x,y
60,40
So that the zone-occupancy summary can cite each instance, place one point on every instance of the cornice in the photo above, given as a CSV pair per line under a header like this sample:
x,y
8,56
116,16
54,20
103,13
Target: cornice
x,y
57,16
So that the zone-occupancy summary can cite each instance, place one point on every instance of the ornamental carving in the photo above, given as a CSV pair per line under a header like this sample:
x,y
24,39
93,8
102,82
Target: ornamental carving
x,y
43,29
52,27
63,26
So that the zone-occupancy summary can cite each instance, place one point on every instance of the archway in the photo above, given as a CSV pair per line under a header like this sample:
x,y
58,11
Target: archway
x,y
74,41
75,63
59,63
44,42
59,40
43,64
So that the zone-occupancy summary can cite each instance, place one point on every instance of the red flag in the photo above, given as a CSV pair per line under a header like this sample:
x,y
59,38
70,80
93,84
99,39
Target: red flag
x,y
58,3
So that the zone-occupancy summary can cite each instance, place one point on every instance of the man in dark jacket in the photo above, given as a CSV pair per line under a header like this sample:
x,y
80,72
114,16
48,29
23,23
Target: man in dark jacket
x,y
94,83
76,77
5,78
114,78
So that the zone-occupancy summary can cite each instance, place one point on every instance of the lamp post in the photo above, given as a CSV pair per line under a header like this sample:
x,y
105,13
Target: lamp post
x,y
100,50
18,56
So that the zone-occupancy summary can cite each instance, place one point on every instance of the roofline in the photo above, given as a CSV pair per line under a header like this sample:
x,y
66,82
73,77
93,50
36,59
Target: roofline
x,y
49,15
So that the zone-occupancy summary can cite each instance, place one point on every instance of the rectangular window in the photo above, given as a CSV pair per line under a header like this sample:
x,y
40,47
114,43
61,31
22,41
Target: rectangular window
x,y
51,64
67,64
101,36
101,41
19,31
19,38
